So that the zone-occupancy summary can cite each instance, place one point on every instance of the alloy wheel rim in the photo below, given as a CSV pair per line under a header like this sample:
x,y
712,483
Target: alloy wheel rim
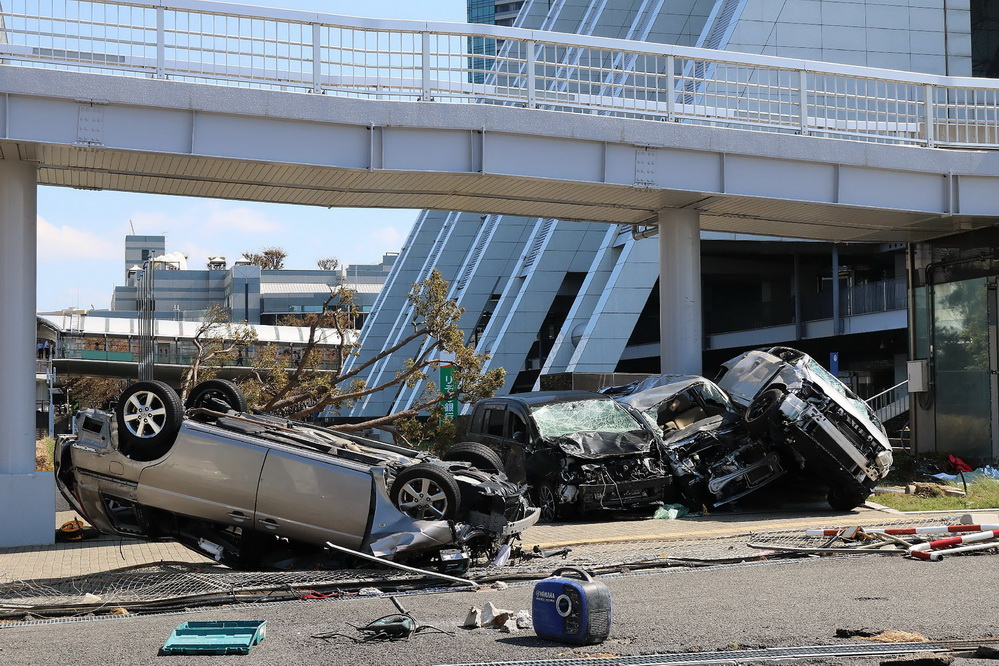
x,y
546,498
423,499
144,414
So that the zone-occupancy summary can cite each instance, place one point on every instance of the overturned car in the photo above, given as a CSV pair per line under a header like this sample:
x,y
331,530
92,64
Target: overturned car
x,y
257,491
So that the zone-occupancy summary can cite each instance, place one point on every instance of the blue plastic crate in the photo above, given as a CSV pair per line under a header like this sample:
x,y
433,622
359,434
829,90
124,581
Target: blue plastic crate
x,y
226,637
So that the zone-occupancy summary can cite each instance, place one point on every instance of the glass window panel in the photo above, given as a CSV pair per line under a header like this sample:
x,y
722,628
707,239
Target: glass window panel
x,y
961,367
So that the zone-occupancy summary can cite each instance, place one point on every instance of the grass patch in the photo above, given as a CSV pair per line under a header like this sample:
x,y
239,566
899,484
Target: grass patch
x,y
982,494
45,455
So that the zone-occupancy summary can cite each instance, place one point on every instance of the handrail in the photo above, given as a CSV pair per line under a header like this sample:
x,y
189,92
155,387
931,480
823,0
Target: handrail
x,y
227,44
887,396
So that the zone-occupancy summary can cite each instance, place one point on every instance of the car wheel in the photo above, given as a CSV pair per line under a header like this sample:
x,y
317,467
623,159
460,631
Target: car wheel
x,y
426,492
219,395
478,455
149,415
761,410
842,498
546,498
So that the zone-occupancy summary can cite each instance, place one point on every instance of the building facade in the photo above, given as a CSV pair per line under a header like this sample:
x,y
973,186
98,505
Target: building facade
x,y
249,293
546,296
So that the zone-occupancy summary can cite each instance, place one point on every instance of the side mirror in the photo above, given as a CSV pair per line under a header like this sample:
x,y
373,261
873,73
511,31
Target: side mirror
x,y
520,436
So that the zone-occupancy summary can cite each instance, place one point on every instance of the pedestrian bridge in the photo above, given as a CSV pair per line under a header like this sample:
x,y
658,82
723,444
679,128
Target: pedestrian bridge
x,y
211,99
219,100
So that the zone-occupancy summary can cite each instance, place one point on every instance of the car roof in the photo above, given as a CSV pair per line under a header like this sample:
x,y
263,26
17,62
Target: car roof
x,y
535,398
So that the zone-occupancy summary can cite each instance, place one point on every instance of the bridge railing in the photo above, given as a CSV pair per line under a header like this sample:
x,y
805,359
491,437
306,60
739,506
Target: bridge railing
x,y
225,44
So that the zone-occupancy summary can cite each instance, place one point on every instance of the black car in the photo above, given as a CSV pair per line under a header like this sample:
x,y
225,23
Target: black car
x,y
578,451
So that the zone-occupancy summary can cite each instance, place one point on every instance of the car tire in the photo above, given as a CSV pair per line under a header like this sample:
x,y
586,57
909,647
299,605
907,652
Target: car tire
x,y
478,455
545,498
148,415
219,395
758,416
426,492
843,498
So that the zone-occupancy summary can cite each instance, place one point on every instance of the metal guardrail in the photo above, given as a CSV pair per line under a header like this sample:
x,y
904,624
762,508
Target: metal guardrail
x,y
225,44
890,403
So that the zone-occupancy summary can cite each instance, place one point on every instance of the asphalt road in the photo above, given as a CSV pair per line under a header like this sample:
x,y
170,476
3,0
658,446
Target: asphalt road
x,y
795,603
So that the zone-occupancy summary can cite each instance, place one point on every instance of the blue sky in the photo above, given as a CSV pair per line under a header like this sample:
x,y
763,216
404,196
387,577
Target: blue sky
x,y
81,234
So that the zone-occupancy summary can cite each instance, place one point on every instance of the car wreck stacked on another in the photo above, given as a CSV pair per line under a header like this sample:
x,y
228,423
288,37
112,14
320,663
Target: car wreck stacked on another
x,y
683,438
814,420
258,491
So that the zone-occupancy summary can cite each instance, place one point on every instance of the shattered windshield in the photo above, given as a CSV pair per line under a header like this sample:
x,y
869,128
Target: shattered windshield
x,y
564,418
841,388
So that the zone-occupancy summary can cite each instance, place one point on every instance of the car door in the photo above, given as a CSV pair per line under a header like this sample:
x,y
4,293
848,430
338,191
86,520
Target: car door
x,y
313,497
207,474
516,435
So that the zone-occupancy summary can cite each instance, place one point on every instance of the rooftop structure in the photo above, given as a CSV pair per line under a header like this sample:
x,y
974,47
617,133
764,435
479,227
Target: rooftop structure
x,y
249,293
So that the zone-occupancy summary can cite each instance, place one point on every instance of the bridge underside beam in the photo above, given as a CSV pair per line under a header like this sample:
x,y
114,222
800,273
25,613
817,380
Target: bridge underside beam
x,y
187,139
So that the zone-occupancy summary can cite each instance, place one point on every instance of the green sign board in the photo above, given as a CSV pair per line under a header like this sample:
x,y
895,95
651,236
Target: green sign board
x,y
447,384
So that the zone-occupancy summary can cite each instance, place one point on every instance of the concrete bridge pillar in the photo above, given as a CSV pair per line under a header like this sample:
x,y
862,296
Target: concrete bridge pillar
x,y
680,291
27,497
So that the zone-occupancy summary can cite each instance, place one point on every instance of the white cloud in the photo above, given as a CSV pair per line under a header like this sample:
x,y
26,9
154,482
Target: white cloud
x,y
207,218
63,242
242,220
388,238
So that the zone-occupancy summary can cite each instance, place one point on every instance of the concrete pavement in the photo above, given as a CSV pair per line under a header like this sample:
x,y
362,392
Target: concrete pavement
x,y
105,553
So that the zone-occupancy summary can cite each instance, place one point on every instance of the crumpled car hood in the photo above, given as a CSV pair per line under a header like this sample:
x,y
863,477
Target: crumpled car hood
x,y
593,445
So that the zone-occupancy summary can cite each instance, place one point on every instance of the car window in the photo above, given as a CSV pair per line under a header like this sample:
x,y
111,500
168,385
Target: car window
x,y
494,422
517,426
715,401
564,418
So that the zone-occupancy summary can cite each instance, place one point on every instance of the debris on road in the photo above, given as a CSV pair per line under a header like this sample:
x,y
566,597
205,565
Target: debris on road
x,y
491,617
393,627
670,512
855,633
910,541
224,637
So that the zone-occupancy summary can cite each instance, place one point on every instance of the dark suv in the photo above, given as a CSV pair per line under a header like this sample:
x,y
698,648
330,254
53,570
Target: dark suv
x,y
578,451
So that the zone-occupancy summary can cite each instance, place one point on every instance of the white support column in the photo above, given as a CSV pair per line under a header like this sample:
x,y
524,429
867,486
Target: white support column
x,y
680,291
27,497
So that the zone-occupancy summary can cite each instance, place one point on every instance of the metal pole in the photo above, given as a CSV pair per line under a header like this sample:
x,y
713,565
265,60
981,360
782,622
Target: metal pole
x,y
837,324
532,74
160,43
317,59
796,294
425,67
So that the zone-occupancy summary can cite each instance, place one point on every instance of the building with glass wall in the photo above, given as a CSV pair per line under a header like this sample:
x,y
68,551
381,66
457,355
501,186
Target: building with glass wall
x,y
547,296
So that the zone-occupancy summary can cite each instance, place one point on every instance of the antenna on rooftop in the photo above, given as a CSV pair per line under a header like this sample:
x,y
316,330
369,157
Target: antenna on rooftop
x,y
133,227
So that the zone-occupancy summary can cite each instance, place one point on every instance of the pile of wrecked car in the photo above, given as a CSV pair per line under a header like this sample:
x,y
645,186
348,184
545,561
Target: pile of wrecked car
x,y
684,438
256,490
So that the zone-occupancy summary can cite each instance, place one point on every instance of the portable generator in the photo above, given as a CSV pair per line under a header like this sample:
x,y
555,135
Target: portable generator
x,y
571,611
